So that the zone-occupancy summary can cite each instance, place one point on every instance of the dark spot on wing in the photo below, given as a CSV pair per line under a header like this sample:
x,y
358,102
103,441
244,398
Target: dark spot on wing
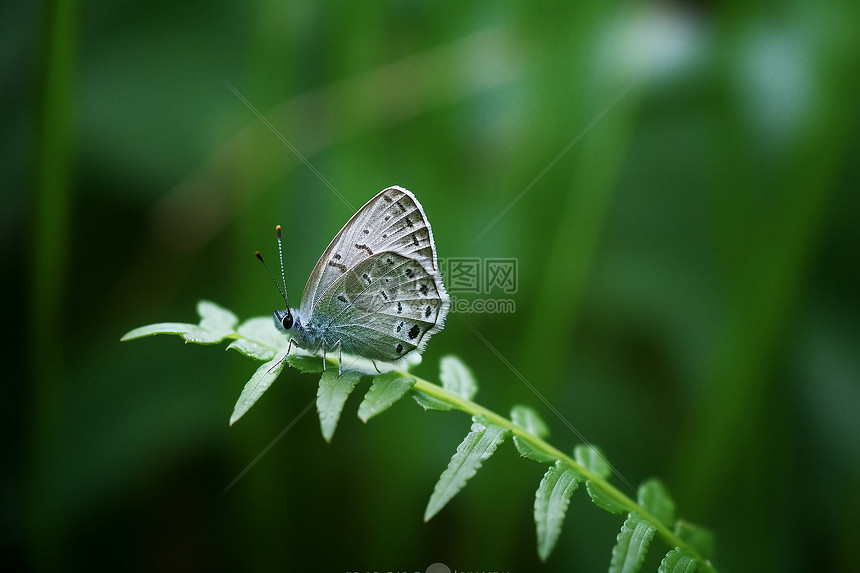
x,y
399,308
338,266
366,278
408,222
413,332
399,348
342,298
389,260
428,311
364,247
399,326
337,256
366,232
414,240
423,288
387,198
385,296
409,272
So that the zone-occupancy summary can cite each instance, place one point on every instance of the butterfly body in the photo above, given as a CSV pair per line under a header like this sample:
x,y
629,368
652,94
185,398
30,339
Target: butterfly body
x,y
376,291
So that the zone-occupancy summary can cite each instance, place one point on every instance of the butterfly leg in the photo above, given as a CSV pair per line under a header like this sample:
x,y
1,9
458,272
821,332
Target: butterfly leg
x,y
281,361
375,366
339,359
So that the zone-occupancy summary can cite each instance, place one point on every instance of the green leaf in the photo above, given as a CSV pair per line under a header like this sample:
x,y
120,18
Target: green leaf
x,y
551,501
699,538
216,324
479,445
430,403
306,364
386,389
632,545
529,420
677,562
655,499
331,396
456,378
602,499
257,385
252,349
190,332
259,339
216,319
262,330
592,458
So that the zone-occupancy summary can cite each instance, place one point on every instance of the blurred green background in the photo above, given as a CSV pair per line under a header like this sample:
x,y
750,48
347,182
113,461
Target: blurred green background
x,y
687,273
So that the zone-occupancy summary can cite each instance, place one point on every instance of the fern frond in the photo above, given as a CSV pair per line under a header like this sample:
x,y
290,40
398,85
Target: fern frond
x,y
651,514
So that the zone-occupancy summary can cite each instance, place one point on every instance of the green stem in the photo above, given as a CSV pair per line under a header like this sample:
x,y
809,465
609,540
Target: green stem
x,y
475,409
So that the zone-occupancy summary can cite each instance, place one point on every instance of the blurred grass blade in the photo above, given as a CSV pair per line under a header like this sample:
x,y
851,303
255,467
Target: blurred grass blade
x,y
50,242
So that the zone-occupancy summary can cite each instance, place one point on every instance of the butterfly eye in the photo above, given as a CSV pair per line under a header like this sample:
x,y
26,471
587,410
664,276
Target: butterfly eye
x,y
287,321
283,319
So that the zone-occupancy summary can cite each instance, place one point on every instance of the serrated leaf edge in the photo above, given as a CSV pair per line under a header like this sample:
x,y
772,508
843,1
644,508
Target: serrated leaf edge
x,y
457,474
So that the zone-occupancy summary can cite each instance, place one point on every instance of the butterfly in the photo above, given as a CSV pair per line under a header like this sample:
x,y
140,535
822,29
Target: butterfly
x,y
376,292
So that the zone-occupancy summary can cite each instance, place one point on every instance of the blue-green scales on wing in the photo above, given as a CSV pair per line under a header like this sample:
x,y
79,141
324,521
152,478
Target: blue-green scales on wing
x,y
376,291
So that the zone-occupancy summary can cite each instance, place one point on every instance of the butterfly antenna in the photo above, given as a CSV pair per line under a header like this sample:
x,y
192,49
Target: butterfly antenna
x,y
281,256
277,286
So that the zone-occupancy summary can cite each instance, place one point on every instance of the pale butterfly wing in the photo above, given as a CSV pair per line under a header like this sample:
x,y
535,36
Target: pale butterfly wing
x,y
392,221
385,307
